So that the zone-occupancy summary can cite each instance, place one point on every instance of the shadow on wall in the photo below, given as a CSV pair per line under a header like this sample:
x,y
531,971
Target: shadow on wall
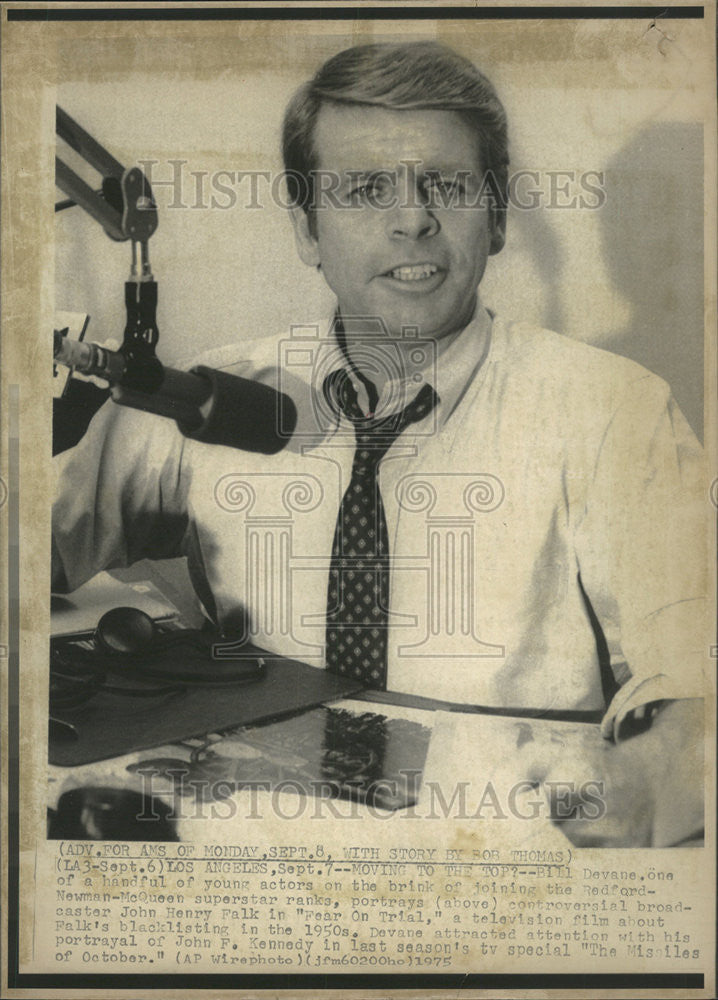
x,y
548,256
652,234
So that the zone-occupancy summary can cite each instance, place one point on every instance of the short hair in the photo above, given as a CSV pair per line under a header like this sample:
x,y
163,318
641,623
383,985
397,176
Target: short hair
x,y
408,75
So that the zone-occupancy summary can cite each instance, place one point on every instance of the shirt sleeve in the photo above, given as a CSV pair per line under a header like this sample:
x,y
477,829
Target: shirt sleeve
x,y
642,550
120,496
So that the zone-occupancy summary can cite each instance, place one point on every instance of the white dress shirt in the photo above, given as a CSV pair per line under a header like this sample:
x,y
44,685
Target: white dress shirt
x,y
550,475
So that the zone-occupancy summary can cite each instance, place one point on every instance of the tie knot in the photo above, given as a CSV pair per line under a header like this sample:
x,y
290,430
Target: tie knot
x,y
375,437
389,428
371,433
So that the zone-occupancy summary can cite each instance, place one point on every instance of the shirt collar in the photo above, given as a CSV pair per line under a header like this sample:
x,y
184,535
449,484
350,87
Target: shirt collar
x,y
449,366
459,360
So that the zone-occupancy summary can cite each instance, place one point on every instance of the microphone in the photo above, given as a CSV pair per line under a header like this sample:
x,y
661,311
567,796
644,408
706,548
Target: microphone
x,y
208,405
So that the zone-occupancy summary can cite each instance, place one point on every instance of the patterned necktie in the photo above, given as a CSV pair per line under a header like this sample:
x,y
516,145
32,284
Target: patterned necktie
x,y
358,593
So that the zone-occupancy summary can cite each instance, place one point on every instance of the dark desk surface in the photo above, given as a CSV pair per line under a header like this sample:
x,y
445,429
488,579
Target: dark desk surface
x,y
154,731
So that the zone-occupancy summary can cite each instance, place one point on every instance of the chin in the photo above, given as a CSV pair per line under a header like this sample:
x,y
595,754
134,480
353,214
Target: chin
x,y
430,323
427,327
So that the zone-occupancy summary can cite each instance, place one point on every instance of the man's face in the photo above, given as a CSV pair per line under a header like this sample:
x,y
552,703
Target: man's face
x,y
395,238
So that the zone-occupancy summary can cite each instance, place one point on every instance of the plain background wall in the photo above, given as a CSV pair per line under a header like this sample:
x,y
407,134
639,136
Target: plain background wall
x,y
616,97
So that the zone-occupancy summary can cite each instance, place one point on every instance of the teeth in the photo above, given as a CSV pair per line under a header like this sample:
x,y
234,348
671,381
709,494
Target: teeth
x,y
415,273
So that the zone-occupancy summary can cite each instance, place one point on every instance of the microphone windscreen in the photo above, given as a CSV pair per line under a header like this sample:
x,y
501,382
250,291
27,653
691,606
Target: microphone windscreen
x,y
244,414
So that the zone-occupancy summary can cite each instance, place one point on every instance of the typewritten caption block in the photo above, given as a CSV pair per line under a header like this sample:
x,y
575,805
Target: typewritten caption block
x,y
305,907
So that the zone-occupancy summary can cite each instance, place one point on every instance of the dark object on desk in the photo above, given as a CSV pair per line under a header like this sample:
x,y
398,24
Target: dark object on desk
x,y
125,630
78,675
111,723
132,643
325,753
128,644
135,643
93,813
62,732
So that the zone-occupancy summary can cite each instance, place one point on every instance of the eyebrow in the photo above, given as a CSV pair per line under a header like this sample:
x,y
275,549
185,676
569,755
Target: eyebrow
x,y
357,175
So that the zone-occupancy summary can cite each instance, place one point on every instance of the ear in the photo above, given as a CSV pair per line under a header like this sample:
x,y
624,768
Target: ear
x,y
307,244
497,223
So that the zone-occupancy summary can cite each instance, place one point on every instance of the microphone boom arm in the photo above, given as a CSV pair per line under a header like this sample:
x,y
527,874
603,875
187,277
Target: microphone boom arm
x,y
126,210
125,207
208,405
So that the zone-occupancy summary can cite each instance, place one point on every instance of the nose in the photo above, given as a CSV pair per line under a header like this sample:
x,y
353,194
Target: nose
x,y
411,222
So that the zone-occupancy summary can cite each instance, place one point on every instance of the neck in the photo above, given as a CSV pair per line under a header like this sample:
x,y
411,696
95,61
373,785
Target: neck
x,y
359,339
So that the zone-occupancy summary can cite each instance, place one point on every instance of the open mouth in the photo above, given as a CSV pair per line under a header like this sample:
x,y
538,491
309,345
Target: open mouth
x,y
413,272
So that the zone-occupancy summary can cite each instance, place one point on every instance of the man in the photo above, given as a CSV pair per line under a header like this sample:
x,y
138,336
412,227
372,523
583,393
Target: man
x,y
470,510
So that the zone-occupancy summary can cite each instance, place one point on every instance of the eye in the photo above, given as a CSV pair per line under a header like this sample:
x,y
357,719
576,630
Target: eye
x,y
374,189
444,190
446,184
364,191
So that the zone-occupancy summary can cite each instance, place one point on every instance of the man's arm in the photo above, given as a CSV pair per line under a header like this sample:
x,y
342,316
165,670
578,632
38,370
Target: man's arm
x,y
120,496
649,786
643,561
642,550
674,751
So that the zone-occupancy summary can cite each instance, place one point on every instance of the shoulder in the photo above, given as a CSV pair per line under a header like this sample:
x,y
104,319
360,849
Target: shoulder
x,y
575,376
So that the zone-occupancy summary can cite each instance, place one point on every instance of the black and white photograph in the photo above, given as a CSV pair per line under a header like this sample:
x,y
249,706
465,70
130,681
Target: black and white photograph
x,y
366,512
